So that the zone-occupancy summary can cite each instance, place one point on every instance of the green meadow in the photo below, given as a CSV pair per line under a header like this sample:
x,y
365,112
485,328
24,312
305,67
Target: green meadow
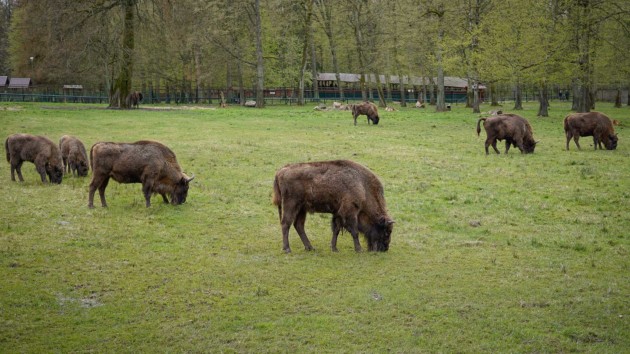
x,y
498,253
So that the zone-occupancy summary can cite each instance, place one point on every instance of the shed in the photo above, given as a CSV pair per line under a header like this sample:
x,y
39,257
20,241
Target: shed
x,y
20,82
3,81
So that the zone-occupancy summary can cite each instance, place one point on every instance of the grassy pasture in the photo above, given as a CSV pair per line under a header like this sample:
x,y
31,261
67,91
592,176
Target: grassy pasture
x,y
499,253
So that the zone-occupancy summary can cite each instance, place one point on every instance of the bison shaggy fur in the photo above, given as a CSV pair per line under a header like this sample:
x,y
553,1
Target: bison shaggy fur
x,y
345,189
38,150
514,129
147,162
594,124
365,108
74,156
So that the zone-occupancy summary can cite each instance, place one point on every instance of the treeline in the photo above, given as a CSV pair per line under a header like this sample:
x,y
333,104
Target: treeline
x,y
192,45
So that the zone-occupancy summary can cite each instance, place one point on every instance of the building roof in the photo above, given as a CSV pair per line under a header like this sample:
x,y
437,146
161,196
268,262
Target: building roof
x,y
3,81
449,81
20,82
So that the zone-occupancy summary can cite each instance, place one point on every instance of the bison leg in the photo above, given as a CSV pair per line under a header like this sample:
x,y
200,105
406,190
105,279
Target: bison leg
x,y
596,142
164,198
146,190
508,142
576,138
569,136
41,169
355,119
286,220
335,225
100,185
492,142
299,222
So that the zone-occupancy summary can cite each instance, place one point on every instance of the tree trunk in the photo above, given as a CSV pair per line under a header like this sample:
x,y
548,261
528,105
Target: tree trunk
x,y
476,98
543,98
306,32
260,63
381,93
469,93
314,62
122,84
618,98
493,92
325,12
518,96
441,100
402,88
197,61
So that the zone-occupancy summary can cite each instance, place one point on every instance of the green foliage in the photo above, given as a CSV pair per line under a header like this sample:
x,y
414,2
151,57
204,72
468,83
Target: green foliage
x,y
499,253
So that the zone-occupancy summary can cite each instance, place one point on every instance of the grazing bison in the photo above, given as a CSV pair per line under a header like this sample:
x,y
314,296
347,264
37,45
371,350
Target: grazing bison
x,y
147,162
366,108
593,124
134,99
38,150
345,189
511,127
74,157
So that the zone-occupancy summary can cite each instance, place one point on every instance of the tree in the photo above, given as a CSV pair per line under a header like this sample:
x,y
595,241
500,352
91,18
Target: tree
x,y
325,18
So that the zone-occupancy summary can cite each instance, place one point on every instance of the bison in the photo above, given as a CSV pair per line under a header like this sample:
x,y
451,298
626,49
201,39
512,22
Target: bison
x,y
345,189
366,108
74,157
593,124
147,162
38,150
511,127
134,99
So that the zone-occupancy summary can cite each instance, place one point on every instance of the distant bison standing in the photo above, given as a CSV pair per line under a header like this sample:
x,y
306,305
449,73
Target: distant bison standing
x,y
593,124
147,162
345,189
134,99
38,150
365,108
514,129
74,156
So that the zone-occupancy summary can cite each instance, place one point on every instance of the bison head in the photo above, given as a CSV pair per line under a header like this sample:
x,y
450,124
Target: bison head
x,y
180,192
375,119
612,142
529,146
82,169
380,234
54,172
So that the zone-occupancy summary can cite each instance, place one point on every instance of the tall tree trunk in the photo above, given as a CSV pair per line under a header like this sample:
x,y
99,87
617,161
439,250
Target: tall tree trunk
x,y
476,99
543,99
314,61
440,105
518,96
122,84
325,13
306,32
494,96
402,88
618,98
197,61
575,93
379,89
469,93
260,62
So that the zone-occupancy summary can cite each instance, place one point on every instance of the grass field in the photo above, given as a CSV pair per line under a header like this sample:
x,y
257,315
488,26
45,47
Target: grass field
x,y
516,253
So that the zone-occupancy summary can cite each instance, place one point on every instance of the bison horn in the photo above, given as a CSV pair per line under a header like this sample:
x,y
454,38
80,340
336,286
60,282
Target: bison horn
x,y
190,179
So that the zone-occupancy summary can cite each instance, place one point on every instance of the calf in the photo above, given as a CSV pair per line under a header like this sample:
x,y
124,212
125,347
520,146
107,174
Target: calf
x,y
74,156
38,150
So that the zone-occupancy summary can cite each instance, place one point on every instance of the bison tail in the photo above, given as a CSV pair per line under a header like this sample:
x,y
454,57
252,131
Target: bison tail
x,y
478,125
277,197
6,148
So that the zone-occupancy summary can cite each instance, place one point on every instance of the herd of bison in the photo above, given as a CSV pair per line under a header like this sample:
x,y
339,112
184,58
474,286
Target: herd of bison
x,y
347,190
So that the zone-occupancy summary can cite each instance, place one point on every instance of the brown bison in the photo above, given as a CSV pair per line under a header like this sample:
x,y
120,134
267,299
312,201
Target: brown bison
x,y
147,162
134,99
593,124
514,129
366,108
74,157
345,189
38,150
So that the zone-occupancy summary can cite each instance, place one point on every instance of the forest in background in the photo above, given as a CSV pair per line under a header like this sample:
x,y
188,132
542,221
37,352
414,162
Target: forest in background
x,y
190,45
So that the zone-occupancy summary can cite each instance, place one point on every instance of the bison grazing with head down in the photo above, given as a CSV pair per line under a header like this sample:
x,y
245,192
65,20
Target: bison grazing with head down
x,y
594,124
514,129
74,157
38,150
345,189
366,108
147,162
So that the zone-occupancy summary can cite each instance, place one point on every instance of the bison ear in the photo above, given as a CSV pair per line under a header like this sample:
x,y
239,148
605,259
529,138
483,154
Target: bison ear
x,y
385,221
